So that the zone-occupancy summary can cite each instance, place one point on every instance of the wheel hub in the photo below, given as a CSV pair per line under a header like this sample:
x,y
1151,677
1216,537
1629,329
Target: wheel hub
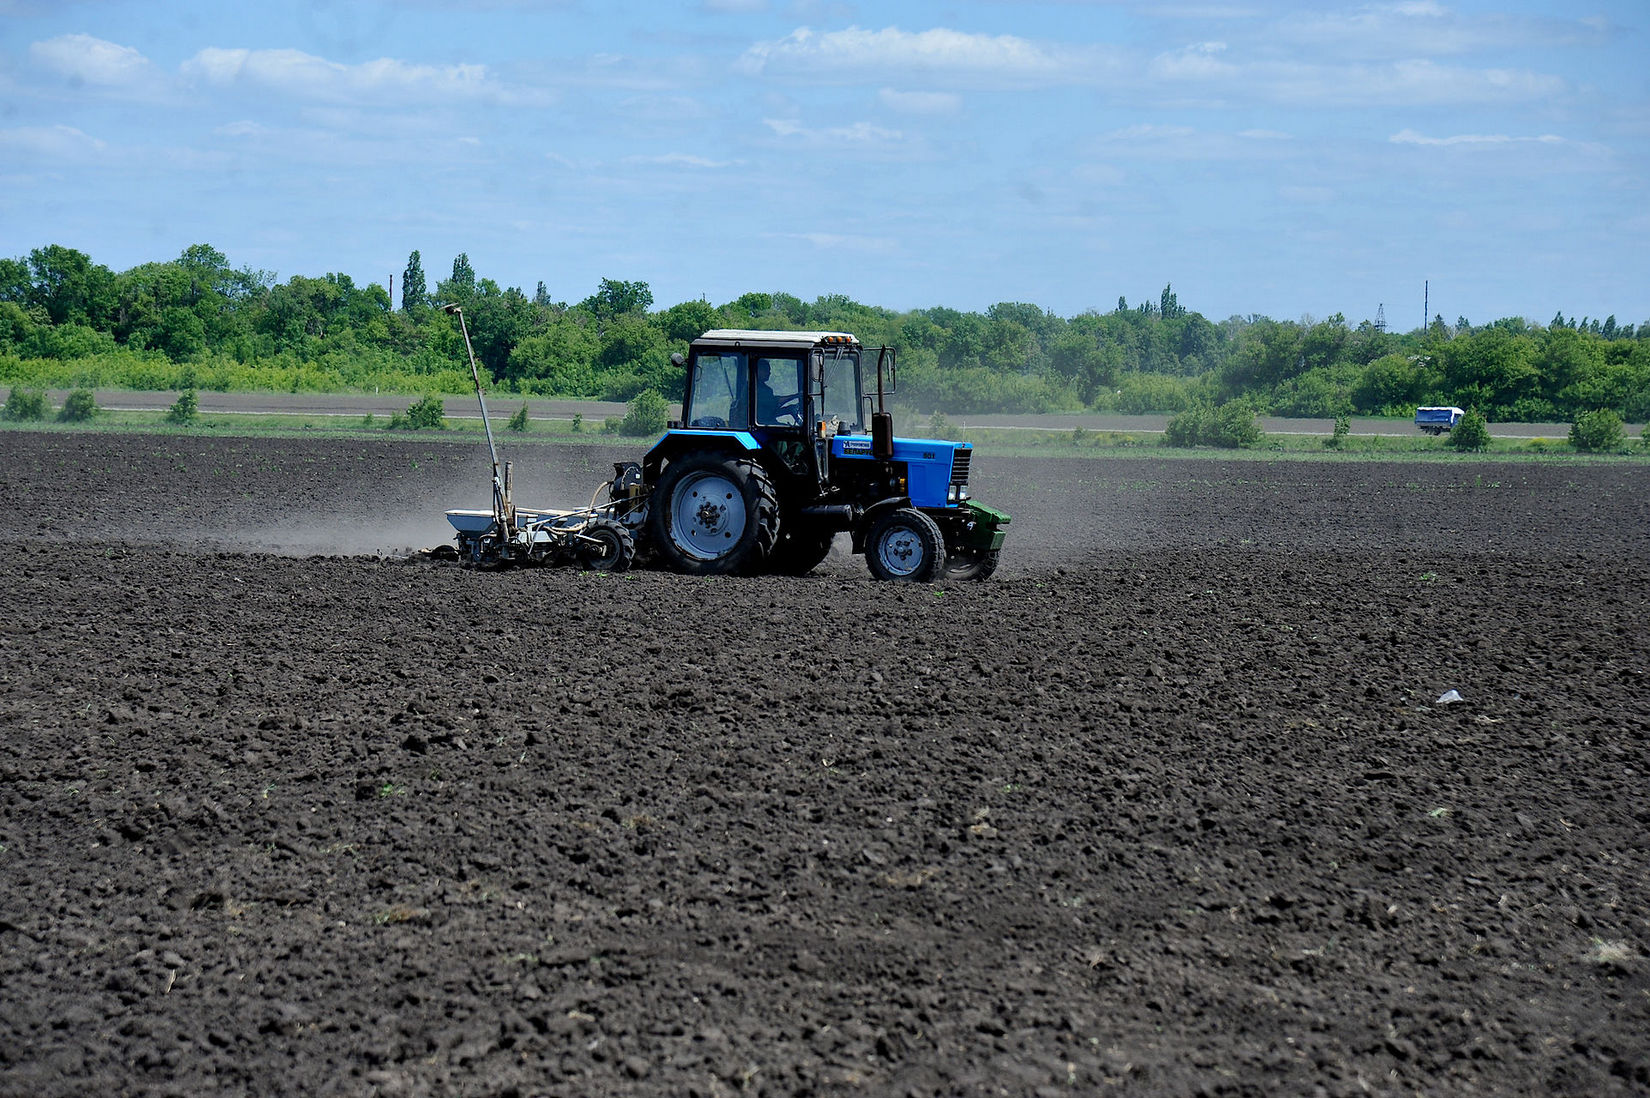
x,y
707,516
900,551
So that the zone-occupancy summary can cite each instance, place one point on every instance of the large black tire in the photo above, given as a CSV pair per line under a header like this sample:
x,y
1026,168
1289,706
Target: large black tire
x,y
799,551
972,564
610,548
905,546
712,514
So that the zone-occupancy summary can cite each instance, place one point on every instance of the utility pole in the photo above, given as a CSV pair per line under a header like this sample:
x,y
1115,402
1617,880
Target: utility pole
x,y
1426,304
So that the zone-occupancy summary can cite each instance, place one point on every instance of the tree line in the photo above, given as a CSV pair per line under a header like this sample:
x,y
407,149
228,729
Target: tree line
x,y
196,321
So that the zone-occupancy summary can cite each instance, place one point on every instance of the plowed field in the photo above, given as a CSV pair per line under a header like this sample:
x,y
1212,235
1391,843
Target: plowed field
x,y
1171,806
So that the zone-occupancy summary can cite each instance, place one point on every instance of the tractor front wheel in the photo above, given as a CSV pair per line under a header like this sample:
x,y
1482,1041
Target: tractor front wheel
x,y
905,545
971,564
713,514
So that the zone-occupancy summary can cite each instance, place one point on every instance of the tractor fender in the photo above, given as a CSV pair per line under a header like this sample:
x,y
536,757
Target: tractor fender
x,y
678,441
868,518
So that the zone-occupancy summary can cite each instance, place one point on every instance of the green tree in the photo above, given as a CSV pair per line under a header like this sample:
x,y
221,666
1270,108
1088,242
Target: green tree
x,y
414,293
1597,432
78,407
745,309
70,287
1492,369
1390,383
688,321
1472,433
461,286
24,405
647,415
427,412
1268,353
617,298
561,357
184,410
15,282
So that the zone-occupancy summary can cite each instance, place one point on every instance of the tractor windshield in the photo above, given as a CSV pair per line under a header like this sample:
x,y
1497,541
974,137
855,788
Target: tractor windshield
x,y
841,387
718,392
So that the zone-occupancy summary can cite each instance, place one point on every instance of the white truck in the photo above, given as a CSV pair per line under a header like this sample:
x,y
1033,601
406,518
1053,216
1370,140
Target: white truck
x,y
1435,421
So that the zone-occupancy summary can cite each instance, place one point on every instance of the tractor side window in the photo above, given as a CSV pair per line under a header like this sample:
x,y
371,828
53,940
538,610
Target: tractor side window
x,y
778,390
719,397
841,387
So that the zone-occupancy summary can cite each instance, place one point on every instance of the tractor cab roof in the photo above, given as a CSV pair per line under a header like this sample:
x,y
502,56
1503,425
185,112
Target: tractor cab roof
x,y
745,337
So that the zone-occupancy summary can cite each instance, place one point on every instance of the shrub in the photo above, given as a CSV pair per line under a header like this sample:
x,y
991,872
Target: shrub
x,y
1472,433
1597,432
647,416
1188,428
518,422
1343,427
611,425
184,410
78,407
25,404
578,422
427,412
1231,427
1235,427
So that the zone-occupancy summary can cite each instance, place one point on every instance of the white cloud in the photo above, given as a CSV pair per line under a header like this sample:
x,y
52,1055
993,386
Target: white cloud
x,y
1410,137
920,102
85,59
673,109
1411,82
838,242
682,160
1427,28
305,76
51,142
1146,131
862,132
243,128
937,51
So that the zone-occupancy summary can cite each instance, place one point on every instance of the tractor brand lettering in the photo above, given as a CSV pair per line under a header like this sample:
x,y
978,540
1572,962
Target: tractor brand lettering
x,y
928,455
857,446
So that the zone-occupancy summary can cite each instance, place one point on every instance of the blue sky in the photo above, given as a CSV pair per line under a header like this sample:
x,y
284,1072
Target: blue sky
x,y
1288,159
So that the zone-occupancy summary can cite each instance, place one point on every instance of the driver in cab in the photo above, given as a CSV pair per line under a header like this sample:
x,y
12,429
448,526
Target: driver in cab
x,y
769,406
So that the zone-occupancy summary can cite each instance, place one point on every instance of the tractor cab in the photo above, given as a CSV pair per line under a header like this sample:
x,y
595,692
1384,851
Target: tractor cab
x,y
789,392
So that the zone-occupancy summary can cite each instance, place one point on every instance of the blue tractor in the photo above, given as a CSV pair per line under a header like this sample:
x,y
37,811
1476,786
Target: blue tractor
x,y
785,442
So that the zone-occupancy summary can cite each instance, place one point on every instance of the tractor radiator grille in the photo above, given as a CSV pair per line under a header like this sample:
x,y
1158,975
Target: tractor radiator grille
x,y
959,466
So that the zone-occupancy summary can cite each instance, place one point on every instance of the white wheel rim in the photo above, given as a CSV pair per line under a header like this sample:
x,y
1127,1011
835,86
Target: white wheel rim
x,y
900,551
707,516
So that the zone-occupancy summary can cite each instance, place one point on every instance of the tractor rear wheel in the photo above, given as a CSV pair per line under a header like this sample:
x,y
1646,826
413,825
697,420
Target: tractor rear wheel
x,y
971,564
905,545
713,514
606,546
